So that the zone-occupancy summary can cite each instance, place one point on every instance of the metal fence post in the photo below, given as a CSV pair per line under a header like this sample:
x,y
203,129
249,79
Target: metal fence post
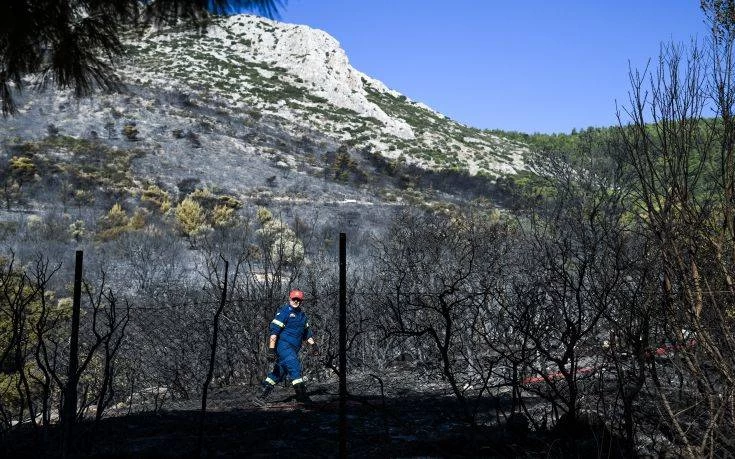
x,y
70,395
342,345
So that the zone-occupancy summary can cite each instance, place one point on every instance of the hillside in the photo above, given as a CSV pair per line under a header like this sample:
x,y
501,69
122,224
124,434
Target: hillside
x,y
266,113
302,75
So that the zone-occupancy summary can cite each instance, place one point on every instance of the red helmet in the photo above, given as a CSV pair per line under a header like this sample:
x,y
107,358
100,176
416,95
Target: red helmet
x,y
296,295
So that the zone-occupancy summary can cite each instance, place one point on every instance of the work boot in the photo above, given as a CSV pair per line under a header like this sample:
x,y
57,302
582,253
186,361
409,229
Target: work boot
x,y
301,395
262,398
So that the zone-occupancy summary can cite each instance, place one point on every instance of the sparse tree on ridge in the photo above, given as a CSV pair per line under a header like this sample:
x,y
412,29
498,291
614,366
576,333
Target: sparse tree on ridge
x,y
75,42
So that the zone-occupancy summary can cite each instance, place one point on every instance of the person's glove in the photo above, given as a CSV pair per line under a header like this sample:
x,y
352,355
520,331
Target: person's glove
x,y
272,355
315,349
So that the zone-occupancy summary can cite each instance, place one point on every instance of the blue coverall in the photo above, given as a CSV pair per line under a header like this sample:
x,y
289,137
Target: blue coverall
x,y
292,328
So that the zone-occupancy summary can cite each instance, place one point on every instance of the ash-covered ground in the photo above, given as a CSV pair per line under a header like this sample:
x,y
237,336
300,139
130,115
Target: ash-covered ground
x,y
401,415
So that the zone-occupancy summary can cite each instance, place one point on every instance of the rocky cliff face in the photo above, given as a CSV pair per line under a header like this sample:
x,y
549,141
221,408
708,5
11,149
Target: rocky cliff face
x,y
300,74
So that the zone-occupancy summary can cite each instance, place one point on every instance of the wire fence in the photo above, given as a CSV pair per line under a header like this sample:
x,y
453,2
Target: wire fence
x,y
102,354
200,346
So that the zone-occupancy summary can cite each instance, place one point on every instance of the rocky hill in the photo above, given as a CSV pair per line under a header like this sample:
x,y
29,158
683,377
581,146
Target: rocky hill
x,y
302,75
260,111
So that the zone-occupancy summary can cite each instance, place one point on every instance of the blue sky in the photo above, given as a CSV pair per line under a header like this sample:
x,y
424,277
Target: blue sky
x,y
531,66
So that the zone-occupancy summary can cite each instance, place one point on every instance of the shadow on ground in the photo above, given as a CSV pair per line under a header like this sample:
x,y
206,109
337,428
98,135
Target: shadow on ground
x,y
408,426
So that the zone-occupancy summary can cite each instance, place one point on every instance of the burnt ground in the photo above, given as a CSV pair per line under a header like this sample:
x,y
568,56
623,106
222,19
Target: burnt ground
x,y
403,423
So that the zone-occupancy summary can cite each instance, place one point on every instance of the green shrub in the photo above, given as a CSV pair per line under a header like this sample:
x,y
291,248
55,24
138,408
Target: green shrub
x,y
22,168
130,132
77,230
281,241
190,217
113,224
223,216
156,198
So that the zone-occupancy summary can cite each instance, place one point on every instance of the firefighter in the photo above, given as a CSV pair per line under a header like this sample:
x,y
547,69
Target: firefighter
x,y
289,329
